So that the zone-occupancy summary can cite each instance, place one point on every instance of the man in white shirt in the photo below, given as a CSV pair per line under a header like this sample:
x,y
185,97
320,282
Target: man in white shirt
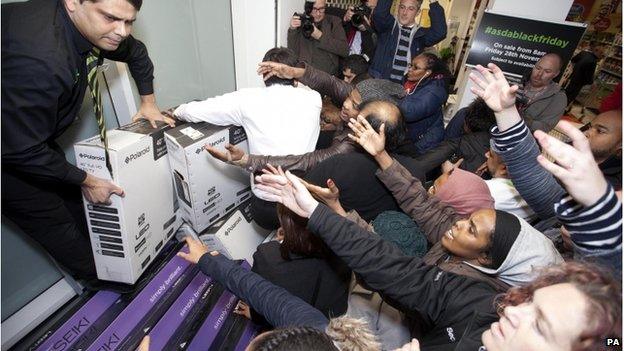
x,y
280,119
502,189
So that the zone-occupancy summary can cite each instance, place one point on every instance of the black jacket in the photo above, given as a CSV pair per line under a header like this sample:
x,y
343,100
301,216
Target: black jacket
x,y
456,309
323,283
44,79
360,189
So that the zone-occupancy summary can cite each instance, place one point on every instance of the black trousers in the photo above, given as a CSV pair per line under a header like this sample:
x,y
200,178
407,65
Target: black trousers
x,y
53,215
572,90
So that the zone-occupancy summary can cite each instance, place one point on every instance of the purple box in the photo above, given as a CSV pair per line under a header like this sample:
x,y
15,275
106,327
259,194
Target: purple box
x,y
75,327
142,304
210,328
173,318
249,334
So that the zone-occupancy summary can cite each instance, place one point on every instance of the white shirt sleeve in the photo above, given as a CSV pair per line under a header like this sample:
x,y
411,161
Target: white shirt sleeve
x,y
220,110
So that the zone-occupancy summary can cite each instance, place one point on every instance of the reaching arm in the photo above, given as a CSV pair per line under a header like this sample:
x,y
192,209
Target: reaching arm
x,y
591,212
302,162
326,84
515,144
278,306
432,216
406,281
221,110
537,186
382,18
437,32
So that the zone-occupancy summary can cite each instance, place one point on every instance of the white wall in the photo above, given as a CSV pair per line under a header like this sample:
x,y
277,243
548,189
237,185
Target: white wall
x,y
253,27
544,10
285,10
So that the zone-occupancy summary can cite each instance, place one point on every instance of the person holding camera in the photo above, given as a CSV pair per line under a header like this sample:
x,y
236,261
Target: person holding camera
x,y
317,39
401,38
361,36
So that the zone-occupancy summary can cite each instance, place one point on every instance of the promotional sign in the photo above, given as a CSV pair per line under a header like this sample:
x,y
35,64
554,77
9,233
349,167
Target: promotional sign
x,y
516,44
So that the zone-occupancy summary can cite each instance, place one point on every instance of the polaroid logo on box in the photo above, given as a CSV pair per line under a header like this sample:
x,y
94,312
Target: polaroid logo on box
x,y
218,141
199,149
230,228
137,154
91,157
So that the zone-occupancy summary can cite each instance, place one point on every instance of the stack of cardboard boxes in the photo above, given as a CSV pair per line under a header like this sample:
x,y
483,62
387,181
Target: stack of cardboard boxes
x,y
167,177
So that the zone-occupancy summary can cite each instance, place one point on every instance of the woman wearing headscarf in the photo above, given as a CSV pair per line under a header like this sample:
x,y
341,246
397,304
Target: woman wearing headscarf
x,y
465,191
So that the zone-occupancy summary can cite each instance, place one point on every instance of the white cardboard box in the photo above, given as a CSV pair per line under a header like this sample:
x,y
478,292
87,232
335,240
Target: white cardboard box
x,y
207,188
128,234
237,237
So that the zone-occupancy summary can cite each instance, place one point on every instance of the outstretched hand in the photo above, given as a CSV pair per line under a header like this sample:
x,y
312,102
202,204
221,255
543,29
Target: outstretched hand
x,y
330,196
287,189
374,143
494,88
269,69
575,165
196,250
232,155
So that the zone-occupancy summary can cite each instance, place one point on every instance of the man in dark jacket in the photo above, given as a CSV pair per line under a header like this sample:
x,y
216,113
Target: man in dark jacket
x,y
401,38
583,70
45,49
325,45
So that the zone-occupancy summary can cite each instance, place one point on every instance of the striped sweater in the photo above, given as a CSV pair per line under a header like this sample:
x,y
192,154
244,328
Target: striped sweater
x,y
596,231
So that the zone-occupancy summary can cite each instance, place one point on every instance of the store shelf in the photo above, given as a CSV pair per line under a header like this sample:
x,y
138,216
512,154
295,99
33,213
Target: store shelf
x,y
611,72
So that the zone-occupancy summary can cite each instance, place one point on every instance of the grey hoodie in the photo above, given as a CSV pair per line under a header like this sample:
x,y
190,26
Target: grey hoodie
x,y
530,252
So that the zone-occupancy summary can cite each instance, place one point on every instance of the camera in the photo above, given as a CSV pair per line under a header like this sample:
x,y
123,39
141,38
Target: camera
x,y
307,24
359,12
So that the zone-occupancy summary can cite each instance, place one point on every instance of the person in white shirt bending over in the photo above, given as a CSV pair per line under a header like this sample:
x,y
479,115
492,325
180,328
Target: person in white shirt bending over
x,y
279,119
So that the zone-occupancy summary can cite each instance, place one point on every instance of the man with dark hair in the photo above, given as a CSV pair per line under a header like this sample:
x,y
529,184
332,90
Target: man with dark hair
x,y
476,117
353,66
542,102
50,54
284,56
279,119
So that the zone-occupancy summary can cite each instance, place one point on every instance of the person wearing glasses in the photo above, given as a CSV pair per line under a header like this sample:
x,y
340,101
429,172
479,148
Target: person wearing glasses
x,y
325,45
426,86
401,38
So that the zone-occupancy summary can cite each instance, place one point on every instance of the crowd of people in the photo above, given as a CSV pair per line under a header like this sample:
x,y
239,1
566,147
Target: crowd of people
x,y
394,231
